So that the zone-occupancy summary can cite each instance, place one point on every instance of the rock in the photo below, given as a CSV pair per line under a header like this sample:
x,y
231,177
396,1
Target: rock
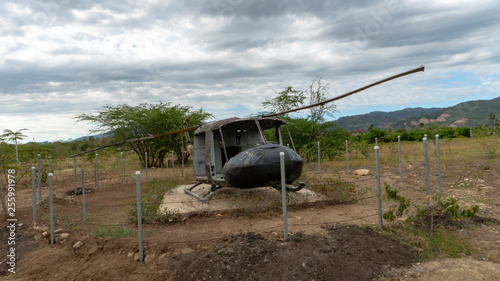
x,y
187,250
149,258
418,249
362,172
136,256
58,230
78,245
163,257
20,224
46,234
64,235
130,254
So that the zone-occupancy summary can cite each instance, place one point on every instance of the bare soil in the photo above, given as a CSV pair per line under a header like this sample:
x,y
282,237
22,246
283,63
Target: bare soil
x,y
326,242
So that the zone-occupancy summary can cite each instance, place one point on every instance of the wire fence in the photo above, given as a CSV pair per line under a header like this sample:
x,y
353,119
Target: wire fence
x,y
95,208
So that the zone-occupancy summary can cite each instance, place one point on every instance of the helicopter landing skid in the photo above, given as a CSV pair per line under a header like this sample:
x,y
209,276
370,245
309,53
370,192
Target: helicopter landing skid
x,y
291,189
205,197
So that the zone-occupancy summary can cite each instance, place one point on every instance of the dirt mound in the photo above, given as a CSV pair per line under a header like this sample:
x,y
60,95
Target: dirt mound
x,y
345,253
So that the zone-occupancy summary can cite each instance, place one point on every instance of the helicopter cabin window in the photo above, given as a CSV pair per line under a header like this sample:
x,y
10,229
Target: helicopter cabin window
x,y
274,135
272,130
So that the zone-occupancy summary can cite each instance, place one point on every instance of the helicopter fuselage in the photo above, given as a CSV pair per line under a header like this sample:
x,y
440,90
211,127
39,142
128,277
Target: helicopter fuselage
x,y
243,153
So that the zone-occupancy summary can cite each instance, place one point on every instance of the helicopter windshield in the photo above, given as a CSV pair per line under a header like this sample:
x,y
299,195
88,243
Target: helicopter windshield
x,y
244,134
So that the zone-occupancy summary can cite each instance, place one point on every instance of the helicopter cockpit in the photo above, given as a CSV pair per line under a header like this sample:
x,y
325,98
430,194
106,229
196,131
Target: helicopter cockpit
x,y
217,142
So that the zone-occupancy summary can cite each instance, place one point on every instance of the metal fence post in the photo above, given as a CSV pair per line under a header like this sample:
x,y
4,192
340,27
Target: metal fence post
x,y
139,213
319,159
50,164
400,162
96,171
121,165
39,180
33,186
4,206
146,164
74,171
51,207
182,159
173,166
426,163
283,194
347,154
379,201
376,143
438,156
83,195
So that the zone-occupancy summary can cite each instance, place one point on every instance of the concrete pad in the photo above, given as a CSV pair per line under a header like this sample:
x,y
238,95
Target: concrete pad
x,y
230,198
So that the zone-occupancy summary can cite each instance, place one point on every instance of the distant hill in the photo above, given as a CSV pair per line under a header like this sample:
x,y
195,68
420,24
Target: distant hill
x,y
465,114
99,136
381,120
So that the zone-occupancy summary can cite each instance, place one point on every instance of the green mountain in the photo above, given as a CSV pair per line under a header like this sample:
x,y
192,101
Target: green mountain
x,y
465,114
381,120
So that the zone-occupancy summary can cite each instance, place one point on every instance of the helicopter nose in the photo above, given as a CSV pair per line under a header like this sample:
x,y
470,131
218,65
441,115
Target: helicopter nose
x,y
260,165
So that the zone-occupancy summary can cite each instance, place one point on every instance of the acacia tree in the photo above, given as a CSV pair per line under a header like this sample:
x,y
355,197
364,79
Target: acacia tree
x,y
10,135
126,122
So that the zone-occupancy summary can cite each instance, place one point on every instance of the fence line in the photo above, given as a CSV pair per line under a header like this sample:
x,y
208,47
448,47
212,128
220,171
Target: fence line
x,y
284,225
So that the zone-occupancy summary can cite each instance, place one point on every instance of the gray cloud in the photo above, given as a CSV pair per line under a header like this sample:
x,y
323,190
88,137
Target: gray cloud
x,y
69,57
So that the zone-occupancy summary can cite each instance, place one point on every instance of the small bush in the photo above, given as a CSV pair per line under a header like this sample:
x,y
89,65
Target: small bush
x,y
395,211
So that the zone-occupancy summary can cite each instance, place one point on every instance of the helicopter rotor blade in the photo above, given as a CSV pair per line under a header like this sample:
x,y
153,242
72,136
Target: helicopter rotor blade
x,y
421,68
138,139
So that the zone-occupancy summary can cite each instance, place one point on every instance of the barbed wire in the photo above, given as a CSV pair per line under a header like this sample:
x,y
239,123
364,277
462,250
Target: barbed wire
x,y
91,183
253,231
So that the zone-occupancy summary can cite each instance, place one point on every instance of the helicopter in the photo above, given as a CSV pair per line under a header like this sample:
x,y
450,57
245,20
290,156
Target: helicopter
x,y
235,153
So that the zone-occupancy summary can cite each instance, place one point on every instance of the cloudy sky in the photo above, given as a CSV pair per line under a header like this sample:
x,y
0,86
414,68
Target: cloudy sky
x,y
60,58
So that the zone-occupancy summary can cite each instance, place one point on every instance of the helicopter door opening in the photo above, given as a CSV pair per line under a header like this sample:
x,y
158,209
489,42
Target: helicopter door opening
x,y
199,155
217,153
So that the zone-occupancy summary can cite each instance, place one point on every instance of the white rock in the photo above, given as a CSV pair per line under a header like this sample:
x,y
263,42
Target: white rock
x,y
362,172
187,250
149,258
64,235
78,245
